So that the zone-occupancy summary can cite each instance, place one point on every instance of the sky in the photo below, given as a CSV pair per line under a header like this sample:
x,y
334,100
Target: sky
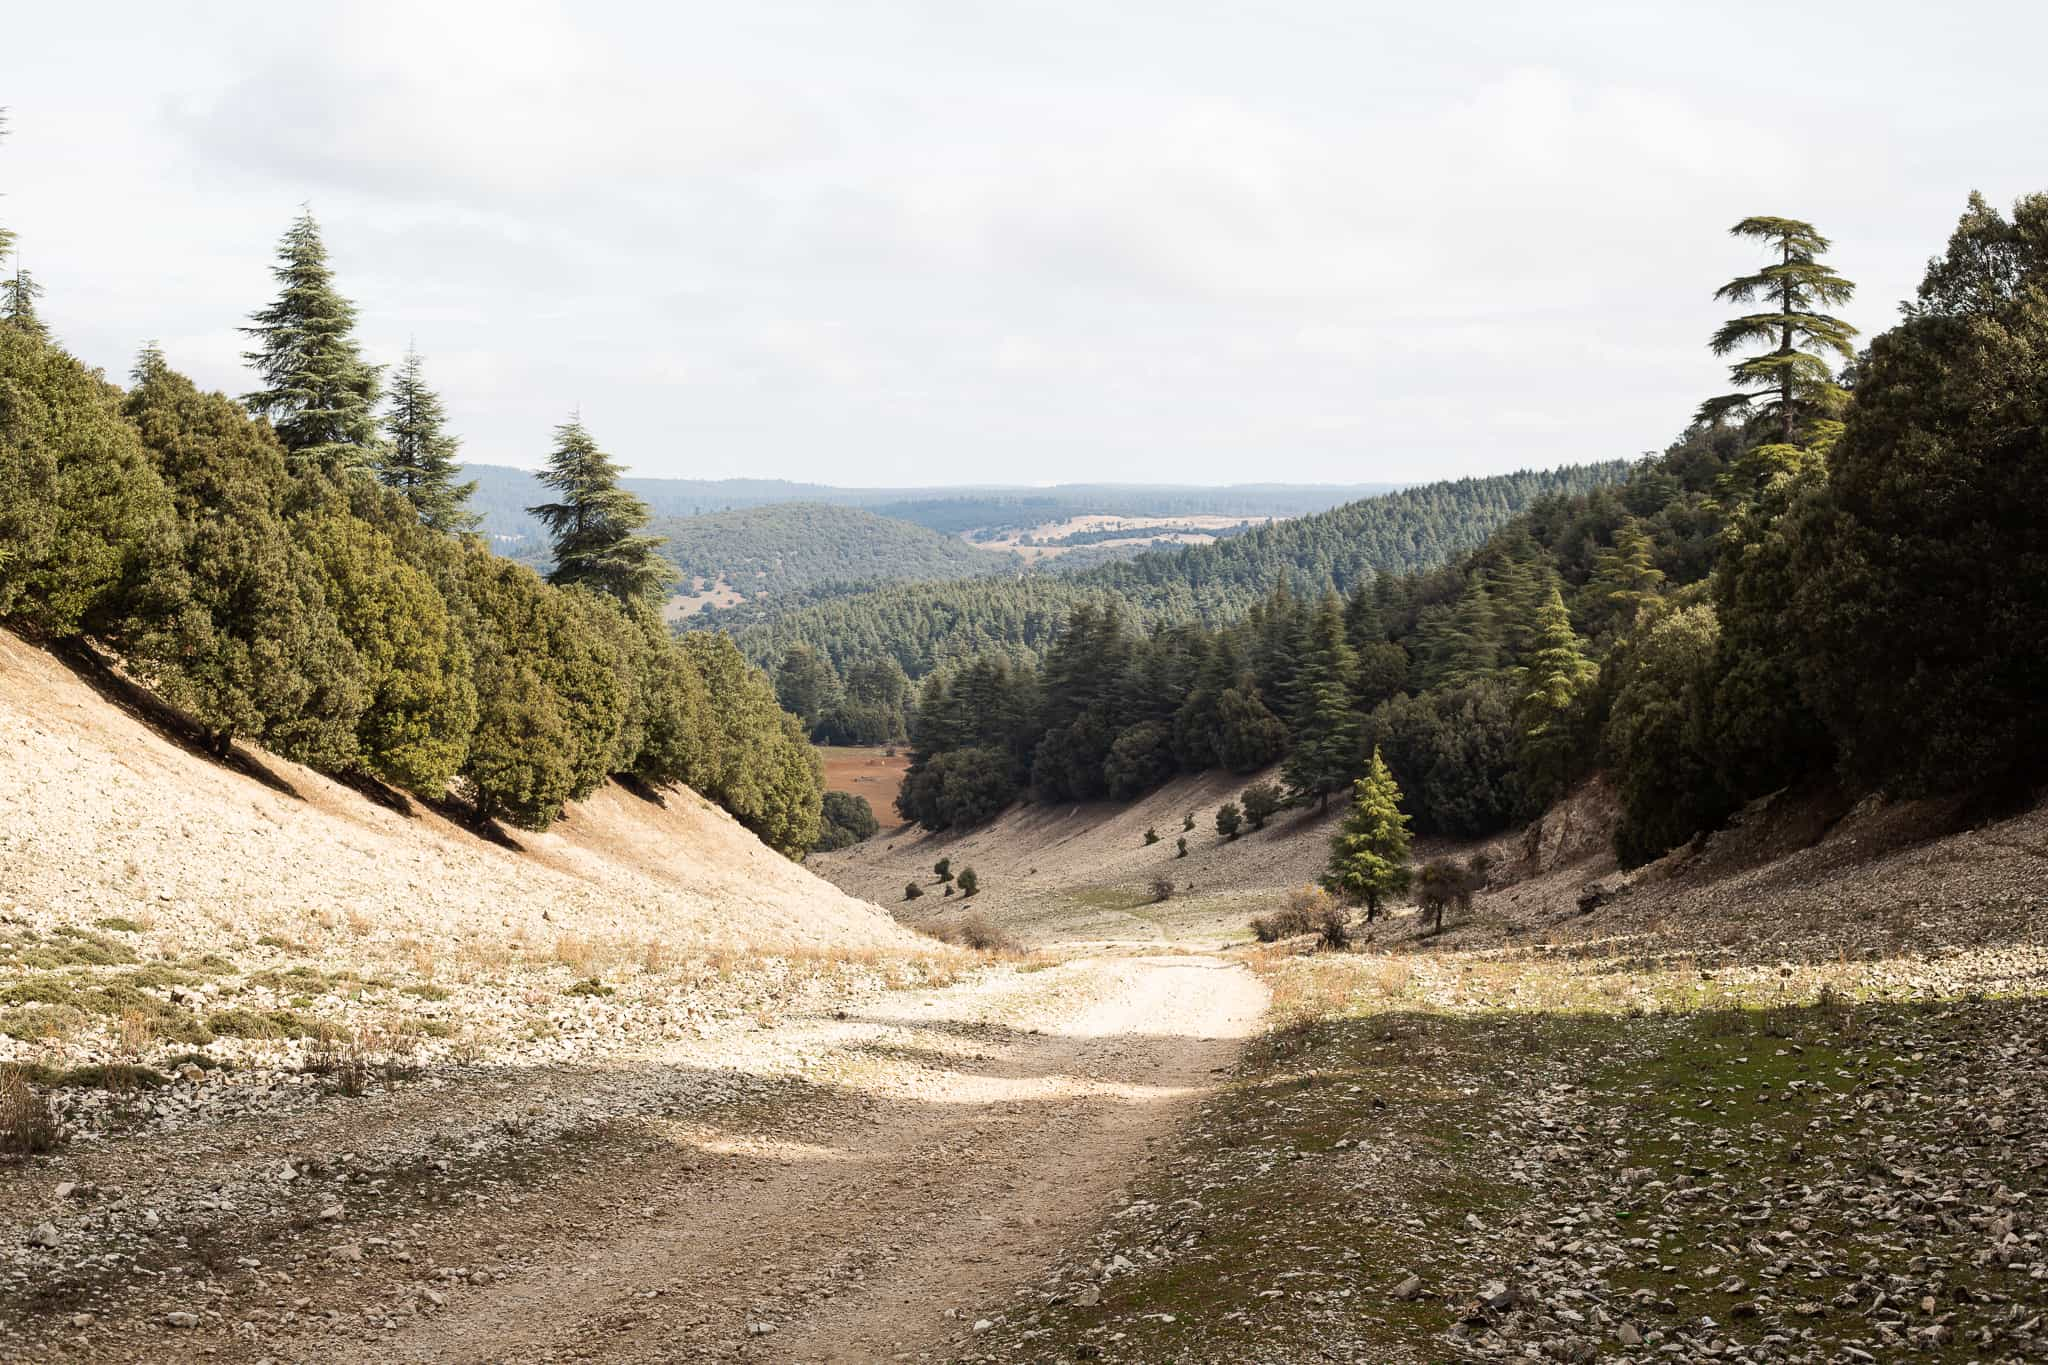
x,y
964,242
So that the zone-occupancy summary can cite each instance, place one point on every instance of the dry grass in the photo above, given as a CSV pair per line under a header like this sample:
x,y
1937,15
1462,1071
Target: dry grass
x,y
137,1034
575,953
26,1124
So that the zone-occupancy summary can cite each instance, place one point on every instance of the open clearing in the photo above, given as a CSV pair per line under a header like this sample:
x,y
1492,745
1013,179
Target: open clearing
x,y
866,770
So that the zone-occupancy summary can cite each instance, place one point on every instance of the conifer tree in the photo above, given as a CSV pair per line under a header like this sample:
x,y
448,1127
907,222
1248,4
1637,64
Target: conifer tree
x,y
18,304
318,391
256,646
1325,738
1625,577
1554,681
1792,382
595,521
418,458
1369,855
86,527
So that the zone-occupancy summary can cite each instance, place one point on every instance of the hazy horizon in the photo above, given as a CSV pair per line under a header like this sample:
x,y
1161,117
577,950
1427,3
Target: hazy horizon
x,y
886,245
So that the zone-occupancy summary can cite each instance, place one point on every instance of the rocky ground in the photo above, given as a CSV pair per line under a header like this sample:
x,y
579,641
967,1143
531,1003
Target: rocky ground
x,y
1788,1110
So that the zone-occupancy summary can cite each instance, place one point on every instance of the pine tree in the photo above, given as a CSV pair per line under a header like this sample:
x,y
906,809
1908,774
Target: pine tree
x,y
1792,382
1369,855
1325,733
318,391
1625,578
594,523
418,458
1556,678
18,304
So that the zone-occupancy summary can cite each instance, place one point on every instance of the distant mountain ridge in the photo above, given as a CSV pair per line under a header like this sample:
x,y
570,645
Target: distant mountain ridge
x,y
783,548
923,624
504,493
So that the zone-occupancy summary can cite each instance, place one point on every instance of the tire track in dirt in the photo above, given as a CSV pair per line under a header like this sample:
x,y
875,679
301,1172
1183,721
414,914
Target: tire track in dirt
x,y
996,1130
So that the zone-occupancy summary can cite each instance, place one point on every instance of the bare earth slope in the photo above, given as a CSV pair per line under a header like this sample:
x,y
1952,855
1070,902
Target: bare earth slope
x,y
1083,873
101,815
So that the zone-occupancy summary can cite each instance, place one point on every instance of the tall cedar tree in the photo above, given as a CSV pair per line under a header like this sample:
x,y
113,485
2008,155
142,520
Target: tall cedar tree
x,y
1325,738
1553,684
418,458
1921,574
1369,855
593,524
18,304
1791,382
318,391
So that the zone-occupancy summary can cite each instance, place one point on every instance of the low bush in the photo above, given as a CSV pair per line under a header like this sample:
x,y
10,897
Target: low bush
x,y
911,891
26,1124
1151,836
972,930
969,883
1162,889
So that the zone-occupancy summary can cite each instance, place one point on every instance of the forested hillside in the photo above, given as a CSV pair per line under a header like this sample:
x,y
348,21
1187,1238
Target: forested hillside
x,y
292,567
786,548
1819,579
504,494
920,626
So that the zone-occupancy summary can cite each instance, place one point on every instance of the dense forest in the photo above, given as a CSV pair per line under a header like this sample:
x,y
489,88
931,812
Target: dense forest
x,y
794,547
294,567
920,626
503,496
1833,574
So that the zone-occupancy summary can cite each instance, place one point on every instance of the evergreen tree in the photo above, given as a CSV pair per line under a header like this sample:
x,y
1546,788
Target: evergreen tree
x,y
418,458
594,524
1369,855
1248,734
1625,578
87,532
1792,382
1261,800
805,684
1922,586
318,391
1324,752
1553,686
18,304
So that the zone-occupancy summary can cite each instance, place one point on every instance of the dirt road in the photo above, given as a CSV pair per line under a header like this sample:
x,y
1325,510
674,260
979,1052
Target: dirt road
x,y
919,1154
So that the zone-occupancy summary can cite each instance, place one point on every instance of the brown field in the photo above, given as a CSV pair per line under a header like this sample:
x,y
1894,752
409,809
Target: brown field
x,y
700,596
1189,530
866,772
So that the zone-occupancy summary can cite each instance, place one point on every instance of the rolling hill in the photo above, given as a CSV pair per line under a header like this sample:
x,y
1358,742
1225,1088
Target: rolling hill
x,y
783,548
503,494
922,624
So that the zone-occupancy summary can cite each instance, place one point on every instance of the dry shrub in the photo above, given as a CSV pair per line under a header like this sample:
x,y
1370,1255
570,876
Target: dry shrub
x,y
137,1033
1162,889
573,953
654,958
359,924
1307,910
972,930
422,959
26,1124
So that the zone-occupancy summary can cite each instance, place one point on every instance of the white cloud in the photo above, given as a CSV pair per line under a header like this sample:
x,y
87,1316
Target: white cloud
x,y
898,242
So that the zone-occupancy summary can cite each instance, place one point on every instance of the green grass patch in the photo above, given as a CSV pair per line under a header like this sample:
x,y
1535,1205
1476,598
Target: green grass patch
x,y
119,924
427,991
260,1024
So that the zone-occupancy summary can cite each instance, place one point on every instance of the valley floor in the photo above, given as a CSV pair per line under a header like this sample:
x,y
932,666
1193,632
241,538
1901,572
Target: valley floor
x,y
1782,1098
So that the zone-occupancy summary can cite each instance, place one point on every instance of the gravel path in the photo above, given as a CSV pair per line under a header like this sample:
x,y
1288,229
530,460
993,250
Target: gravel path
x,y
824,1189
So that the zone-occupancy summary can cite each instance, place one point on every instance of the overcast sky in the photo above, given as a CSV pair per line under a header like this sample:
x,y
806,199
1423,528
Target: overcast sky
x,y
888,243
